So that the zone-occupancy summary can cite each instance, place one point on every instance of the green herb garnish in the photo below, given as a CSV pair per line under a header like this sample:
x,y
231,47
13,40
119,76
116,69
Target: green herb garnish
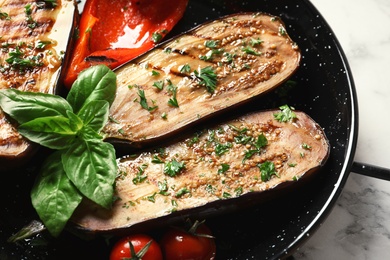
x,y
250,50
254,42
163,187
155,73
306,146
157,37
207,77
159,84
18,60
267,170
211,44
31,23
224,168
144,103
185,69
4,16
82,163
182,192
173,168
43,44
140,177
173,90
220,149
286,114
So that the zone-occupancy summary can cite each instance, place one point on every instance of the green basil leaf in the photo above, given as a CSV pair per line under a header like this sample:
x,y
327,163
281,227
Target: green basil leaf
x,y
75,122
91,166
95,83
53,132
95,114
26,106
53,196
88,134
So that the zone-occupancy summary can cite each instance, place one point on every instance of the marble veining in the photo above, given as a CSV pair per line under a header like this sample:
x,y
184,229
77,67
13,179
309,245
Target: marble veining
x,y
358,226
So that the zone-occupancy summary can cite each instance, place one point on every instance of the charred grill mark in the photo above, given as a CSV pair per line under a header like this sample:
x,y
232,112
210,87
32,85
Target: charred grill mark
x,y
17,27
47,5
99,59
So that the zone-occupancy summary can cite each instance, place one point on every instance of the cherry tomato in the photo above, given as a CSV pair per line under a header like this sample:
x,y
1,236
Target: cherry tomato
x,y
121,249
178,244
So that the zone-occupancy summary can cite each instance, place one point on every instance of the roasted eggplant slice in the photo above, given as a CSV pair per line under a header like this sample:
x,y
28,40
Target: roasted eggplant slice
x,y
34,39
243,158
215,66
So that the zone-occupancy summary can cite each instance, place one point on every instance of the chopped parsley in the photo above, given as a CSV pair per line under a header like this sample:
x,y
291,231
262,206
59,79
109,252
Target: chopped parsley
x,y
258,143
43,44
210,189
173,90
30,21
207,77
159,84
286,114
168,50
220,149
306,146
261,141
224,168
195,139
152,198
254,42
239,191
267,170
4,16
156,159
185,68
157,37
163,188
113,120
250,50
143,102
282,31
164,115
16,59
173,168
212,44
226,195
155,73
228,57
182,192
209,55
140,177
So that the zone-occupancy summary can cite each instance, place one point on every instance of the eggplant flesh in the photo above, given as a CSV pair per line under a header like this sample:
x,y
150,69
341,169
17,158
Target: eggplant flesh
x,y
250,54
34,38
216,166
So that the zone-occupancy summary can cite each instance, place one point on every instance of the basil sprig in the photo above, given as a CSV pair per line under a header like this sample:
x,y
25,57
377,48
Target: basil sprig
x,y
82,163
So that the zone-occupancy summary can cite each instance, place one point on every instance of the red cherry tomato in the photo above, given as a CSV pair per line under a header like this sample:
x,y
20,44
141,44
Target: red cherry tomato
x,y
178,244
121,249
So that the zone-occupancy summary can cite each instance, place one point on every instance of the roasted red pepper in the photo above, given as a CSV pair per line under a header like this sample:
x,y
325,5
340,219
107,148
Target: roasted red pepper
x,y
113,32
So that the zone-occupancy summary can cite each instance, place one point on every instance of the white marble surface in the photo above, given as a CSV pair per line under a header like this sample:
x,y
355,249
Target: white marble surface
x,y
358,227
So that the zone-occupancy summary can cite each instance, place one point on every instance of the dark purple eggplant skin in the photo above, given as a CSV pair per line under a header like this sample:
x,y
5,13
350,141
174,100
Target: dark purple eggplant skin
x,y
240,79
298,150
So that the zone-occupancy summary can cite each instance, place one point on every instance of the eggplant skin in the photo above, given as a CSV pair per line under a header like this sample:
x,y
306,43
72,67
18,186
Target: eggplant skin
x,y
220,170
250,53
38,32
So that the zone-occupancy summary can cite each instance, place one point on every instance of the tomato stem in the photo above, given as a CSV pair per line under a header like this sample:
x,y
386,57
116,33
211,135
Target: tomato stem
x,y
194,227
140,254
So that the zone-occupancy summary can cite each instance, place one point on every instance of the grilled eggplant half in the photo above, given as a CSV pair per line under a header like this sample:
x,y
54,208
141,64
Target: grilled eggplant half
x,y
200,73
226,165
34,39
